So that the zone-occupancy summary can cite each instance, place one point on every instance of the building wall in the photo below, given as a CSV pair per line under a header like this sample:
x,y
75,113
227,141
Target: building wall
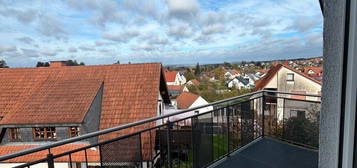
x,y
199,102
92,118
334,14
26,135
300,83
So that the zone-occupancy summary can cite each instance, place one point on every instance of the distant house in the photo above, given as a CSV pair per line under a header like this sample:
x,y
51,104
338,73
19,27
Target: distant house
x,y
174,78
43,105
188,100
261,72
251,79
314,72
194,82
238,82
230,74
175,90
286,79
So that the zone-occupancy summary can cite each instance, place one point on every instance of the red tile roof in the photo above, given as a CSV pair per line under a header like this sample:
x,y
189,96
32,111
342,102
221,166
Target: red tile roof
x,y
92,153
317,70
261,83
130,91
175,87
186,99
170,76
195,82
69,100
262,70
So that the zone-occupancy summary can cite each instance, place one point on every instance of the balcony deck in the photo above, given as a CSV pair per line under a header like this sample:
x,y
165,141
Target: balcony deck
x,y
270,153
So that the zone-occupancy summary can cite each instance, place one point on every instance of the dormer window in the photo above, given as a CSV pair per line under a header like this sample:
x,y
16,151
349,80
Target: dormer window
x,y
14,134
73,131
44,133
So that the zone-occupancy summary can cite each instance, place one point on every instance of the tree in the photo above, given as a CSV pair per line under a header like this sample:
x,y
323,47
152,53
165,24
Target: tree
x,y
42,64
118,62
198,69
73,63
189,75
218,73
227,64
3,64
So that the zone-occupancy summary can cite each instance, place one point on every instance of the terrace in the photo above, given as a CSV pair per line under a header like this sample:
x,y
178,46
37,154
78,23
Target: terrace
x,y
259,129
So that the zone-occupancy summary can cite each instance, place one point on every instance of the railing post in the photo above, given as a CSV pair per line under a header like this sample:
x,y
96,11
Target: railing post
x,y
263,114
228,139
168,138
50,161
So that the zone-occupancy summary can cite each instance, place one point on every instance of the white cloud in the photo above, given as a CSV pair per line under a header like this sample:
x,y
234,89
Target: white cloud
x,y
181,31
48,53
7,48
183,9
124,36
212,29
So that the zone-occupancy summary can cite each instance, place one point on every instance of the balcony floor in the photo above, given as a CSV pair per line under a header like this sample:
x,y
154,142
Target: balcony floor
x,y
270,153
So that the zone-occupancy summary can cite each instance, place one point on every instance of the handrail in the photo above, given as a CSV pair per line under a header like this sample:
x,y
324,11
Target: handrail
x,y
124,126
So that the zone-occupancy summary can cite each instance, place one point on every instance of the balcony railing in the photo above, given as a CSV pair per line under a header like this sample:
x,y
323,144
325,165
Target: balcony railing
x,y
194,140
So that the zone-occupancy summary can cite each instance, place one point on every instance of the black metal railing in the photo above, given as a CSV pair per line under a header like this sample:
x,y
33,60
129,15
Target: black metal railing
x,y
195,140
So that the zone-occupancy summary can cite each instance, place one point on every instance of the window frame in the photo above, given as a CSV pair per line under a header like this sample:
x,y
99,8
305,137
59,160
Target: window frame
x,y
71,132
46,130
287,77
16,132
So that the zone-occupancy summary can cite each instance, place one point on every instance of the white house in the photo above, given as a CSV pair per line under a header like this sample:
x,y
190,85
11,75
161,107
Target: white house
x,y
230,74
188,100
174,78
287,79
251,79
238,82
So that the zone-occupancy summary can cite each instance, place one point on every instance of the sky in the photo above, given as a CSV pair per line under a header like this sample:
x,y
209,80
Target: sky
x,y
167,31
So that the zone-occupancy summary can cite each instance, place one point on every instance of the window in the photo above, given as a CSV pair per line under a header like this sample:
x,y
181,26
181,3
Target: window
x,y
290,77
44,133
298,113
14,134
73,131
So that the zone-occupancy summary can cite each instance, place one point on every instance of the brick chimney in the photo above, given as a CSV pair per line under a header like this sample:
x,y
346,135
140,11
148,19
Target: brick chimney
x,y
57,63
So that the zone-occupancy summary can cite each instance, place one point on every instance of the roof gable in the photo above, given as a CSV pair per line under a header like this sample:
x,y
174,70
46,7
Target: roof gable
x,y
170,76
186,99
261,83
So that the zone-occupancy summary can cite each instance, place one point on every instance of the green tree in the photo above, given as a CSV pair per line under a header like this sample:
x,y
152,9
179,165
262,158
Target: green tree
x,y
42,64
227,64
189,75
218,73
3,64
118,62
198,69
73,63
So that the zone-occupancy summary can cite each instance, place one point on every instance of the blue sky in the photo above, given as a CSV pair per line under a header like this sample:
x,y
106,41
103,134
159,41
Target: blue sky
x,y
167,31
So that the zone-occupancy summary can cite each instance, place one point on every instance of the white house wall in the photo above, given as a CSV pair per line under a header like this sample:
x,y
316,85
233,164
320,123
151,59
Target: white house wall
x,y
300,83
199,102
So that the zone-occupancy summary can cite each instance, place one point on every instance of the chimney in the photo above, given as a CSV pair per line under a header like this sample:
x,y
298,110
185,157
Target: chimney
x,y
57,63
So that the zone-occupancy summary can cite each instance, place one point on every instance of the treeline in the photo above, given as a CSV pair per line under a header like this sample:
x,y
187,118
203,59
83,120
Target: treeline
x,y
68,63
